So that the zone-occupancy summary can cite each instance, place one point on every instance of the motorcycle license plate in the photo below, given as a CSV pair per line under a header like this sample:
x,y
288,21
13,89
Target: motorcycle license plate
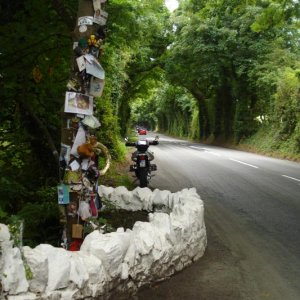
x,y
142,163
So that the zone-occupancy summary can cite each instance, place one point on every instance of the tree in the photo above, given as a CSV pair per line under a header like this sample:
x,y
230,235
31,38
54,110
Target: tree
x,y
218,50
34,59
35,55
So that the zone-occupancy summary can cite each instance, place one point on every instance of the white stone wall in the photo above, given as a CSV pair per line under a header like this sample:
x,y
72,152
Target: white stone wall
x,y
114,263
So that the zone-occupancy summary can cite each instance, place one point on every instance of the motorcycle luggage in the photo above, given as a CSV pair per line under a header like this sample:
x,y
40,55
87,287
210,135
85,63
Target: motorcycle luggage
x,y
153,167
142,146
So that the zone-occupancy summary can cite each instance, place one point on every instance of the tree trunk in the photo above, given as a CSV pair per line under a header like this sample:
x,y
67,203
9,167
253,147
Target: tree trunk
x,y
80,77
85,8
204,121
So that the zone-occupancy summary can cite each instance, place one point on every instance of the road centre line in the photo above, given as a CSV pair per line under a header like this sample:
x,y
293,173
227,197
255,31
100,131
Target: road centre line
x,y
241,162
206,150
213,153
291,177
238,161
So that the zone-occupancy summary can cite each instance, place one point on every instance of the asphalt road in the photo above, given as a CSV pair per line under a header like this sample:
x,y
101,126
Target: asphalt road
x,y
252,215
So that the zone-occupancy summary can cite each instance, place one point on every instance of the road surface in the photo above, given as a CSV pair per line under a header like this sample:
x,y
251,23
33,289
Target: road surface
x,y
252,215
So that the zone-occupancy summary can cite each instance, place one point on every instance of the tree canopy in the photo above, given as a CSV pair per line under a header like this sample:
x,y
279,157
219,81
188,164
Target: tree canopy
x,y
234,58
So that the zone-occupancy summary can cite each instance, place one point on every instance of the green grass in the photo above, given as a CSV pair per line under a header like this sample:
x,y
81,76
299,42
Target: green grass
x,y
269,142
118,174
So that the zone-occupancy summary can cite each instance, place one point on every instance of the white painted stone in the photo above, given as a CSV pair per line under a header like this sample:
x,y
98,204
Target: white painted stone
x,y
109,248
78,270
162,223
144,237
161,197
94,268
122,261
105,191
13,275
23,296
5,241
12,271
142,197
130,256
121,197
63,294
58,266
124,271
98,277
38,263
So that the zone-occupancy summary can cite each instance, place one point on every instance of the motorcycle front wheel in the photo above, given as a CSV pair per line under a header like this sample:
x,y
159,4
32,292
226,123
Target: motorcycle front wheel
x,y
143,177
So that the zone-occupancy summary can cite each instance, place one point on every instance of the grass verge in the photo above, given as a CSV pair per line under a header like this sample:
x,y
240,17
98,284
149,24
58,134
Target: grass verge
x,y
118,174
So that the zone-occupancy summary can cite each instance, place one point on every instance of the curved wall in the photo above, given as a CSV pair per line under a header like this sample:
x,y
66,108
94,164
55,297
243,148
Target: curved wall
x,y
116,263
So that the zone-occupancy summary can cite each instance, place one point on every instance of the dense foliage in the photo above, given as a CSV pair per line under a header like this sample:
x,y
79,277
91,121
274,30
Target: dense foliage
x,y
240,62
35,56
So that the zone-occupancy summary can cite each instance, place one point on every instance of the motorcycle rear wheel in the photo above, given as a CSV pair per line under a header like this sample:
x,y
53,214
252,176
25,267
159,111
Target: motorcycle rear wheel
x,y
143,177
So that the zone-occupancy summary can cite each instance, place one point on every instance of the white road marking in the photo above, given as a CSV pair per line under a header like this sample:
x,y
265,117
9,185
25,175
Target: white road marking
x,y
206,150
291,177
241,162
213,153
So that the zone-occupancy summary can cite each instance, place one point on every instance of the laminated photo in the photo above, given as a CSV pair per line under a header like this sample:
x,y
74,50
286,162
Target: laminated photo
x,y
77,103
93,67
80,63
100,17
63,194
65,152
96,86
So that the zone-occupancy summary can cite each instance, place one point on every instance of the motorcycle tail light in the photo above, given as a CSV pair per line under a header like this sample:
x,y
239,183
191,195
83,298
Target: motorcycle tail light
x,y
142,157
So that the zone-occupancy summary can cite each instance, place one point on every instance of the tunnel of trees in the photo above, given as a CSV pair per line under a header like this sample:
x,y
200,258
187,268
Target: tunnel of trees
x,y
214,71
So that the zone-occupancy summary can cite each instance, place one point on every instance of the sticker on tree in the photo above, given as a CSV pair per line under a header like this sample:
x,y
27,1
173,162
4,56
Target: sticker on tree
x,y
86,20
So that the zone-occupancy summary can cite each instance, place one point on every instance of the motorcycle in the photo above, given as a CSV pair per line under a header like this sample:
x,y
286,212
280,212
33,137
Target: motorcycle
x,y
142,158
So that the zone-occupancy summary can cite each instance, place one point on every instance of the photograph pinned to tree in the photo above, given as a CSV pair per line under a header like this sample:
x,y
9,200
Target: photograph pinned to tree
x,y
77,103
80,63
65,152
91,121
100,17
63,194
93,67
96,86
